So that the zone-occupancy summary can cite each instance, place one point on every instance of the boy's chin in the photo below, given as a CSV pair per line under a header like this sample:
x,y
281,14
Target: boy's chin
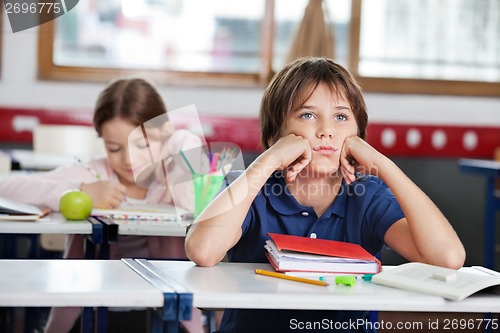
x,y
320,171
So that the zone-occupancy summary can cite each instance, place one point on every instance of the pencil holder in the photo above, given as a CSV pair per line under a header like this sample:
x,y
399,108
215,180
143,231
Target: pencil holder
x,y
205,189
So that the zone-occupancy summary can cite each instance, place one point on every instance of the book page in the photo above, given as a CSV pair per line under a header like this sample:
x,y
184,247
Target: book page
x,y
8,206
448,283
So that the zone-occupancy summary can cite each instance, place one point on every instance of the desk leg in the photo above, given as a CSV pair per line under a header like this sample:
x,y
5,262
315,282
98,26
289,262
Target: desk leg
x,y
490,224
166,319
89,249
160,326
87,320
102,319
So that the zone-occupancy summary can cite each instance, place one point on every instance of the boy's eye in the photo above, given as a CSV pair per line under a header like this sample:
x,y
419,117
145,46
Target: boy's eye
x,y
307,115
341,117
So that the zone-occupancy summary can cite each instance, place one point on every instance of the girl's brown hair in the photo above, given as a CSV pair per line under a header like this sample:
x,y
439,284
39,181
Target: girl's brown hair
x,y
133,99
293,85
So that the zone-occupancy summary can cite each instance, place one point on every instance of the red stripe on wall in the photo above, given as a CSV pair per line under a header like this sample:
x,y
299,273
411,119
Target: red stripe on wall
x,y
390,139
434,140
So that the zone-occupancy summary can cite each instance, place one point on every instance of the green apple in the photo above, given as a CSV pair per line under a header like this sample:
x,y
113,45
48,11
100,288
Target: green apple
x,y
75,205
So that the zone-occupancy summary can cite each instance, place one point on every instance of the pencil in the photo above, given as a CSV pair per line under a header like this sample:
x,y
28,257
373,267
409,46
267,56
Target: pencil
x,y
288,277
91,171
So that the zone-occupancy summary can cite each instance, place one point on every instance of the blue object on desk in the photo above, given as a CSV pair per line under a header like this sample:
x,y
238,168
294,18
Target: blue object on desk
x,y
491,170
178,302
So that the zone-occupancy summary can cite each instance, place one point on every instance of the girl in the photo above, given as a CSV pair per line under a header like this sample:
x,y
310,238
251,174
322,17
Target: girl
x,y
123,106
318,178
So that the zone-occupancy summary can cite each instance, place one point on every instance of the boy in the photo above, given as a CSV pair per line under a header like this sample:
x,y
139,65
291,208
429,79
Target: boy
x,y
318,178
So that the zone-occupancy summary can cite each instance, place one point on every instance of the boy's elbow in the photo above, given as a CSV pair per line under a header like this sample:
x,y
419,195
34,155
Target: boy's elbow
x,y
200,255
201,259
454,258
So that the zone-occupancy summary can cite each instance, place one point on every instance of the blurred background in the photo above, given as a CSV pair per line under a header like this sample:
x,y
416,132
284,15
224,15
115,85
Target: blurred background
x,y
430,71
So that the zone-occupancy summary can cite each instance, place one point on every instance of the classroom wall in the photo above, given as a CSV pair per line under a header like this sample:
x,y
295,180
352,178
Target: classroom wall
x,y
19,87
461,197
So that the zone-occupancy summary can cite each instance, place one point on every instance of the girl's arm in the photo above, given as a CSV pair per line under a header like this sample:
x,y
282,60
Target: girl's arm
x,y
43,188
424,235
218,228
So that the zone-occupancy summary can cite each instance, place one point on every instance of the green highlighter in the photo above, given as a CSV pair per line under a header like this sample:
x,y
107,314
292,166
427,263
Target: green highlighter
x,y
349,280
346,280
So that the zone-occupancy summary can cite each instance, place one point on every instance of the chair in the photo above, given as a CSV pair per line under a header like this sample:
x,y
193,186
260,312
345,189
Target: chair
x,y
65,140
5,163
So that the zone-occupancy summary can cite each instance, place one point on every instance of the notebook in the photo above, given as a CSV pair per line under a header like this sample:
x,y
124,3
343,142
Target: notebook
x,y
303,254
18,211
144,212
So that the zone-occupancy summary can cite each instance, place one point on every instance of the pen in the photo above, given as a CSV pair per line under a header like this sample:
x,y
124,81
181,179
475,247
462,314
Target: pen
x,y
288,277
91,171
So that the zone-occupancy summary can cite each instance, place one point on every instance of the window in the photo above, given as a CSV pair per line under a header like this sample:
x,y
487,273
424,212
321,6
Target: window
x,y
447,46
427,46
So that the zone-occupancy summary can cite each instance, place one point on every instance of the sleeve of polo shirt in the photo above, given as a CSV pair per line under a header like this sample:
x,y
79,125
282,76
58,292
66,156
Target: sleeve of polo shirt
x,y
382,212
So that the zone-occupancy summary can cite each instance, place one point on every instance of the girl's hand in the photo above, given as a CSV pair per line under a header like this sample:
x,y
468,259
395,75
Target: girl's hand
x,y
292,152
358,156
105,194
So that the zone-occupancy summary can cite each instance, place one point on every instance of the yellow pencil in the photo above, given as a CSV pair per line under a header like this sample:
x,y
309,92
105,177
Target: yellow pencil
x,y
288,277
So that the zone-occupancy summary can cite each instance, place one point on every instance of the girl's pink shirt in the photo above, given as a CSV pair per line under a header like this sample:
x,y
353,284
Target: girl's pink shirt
x,y
44,189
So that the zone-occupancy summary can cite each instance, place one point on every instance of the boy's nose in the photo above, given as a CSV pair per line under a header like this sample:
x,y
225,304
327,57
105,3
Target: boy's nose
x,y
325,132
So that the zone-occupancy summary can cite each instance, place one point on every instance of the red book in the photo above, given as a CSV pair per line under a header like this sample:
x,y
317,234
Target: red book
x,y
296,253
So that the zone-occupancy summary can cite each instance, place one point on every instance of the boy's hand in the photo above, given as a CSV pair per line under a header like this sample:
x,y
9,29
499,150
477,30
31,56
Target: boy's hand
x,y
105,194
292,152
358,156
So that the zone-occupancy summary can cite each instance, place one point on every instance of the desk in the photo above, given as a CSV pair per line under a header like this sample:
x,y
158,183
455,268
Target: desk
x,y
235,285
74,283
82,283
29,160
151,228
490,170
55,223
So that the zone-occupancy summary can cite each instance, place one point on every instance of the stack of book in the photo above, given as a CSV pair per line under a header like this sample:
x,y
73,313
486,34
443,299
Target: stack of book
x,y
304,256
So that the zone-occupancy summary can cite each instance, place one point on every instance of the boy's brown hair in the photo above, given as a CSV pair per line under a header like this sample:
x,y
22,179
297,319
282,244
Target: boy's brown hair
x,y
293,85
133,99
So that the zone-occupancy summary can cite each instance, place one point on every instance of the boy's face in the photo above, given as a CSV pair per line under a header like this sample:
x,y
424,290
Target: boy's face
x,y
325,120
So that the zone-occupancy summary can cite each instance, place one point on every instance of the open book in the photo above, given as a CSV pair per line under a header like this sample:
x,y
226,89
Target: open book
x,y
144,212
17,211
288,253
448,283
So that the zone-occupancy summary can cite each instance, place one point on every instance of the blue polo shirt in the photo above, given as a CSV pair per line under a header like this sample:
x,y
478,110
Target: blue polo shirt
x,y
361,213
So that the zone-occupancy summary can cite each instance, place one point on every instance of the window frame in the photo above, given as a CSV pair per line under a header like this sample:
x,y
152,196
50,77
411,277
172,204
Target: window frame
x,y
47,70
